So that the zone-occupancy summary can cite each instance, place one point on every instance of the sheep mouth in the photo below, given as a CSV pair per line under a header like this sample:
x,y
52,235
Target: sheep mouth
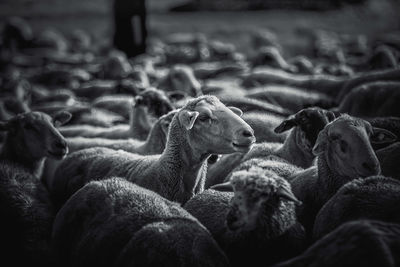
x,y
58,154
242,147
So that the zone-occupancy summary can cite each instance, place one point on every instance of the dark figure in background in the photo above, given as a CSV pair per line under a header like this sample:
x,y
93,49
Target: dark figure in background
x,y
130,26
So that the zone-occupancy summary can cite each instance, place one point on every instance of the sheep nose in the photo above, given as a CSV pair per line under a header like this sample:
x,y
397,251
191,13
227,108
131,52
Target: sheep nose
x,y
61,144
247,133
371,168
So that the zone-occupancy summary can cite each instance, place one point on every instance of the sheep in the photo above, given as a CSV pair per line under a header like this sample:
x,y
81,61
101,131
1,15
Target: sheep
x,y
291,98
203,127
263,124
181,78
343,150
377,99
116,66
60,78
297,149
127,225
374,198
333,86
27,213
154,144
366,243
254,224
31,137
389,160
391,124
120,104
148,107
271,56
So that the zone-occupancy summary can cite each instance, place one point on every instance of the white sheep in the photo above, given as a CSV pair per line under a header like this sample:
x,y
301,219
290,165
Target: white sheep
x,y
374,198
203,127
365,243
254,224
344,152
26,208
154,144
148,107
127,225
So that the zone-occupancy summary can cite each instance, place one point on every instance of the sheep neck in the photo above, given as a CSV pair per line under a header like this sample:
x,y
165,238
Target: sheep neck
x,y
328,181
155,141
183,163
14,150
138,123
291,151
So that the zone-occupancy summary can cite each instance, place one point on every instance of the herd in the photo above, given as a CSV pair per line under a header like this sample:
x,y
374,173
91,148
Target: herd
x,y
196,154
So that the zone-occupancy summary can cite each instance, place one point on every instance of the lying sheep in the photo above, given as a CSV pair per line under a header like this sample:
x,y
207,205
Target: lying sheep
x,y
375,197
148,107
291,98
27,212
254,224
389,160
203,127
181,78
365,243
127,225
377,99
344,152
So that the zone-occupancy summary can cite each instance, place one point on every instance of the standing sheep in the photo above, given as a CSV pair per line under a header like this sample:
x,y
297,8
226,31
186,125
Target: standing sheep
x,y
344,152
27,212
202,127
375,197
296,150
254,224
117,223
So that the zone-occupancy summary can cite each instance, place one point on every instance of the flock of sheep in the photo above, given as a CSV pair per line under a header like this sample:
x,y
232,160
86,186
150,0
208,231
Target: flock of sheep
x,y
196,154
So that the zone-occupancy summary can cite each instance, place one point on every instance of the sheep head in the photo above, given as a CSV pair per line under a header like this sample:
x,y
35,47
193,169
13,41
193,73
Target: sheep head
x,y
309,122
213,128
260,200
35,134
181,78
345,144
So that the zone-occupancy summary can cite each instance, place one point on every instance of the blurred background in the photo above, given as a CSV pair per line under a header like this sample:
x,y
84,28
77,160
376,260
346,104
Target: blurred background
x,y
227,20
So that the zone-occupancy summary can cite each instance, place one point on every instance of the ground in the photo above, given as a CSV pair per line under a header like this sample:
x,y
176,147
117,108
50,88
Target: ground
x,y
374,19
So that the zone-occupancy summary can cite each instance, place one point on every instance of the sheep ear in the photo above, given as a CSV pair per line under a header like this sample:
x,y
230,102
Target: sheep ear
x,y
288,195
224,187
286,125
331,115
237,111
382,136
187,118
320,144
61,118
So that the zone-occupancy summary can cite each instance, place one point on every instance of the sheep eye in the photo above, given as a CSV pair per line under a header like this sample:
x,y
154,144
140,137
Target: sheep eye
x,y
343,146
29,127
204,118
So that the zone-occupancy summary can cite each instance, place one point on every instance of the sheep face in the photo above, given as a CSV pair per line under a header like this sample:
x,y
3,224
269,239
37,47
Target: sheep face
x,y
182,79
213,128
258,195
37,135
310,121
346,145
